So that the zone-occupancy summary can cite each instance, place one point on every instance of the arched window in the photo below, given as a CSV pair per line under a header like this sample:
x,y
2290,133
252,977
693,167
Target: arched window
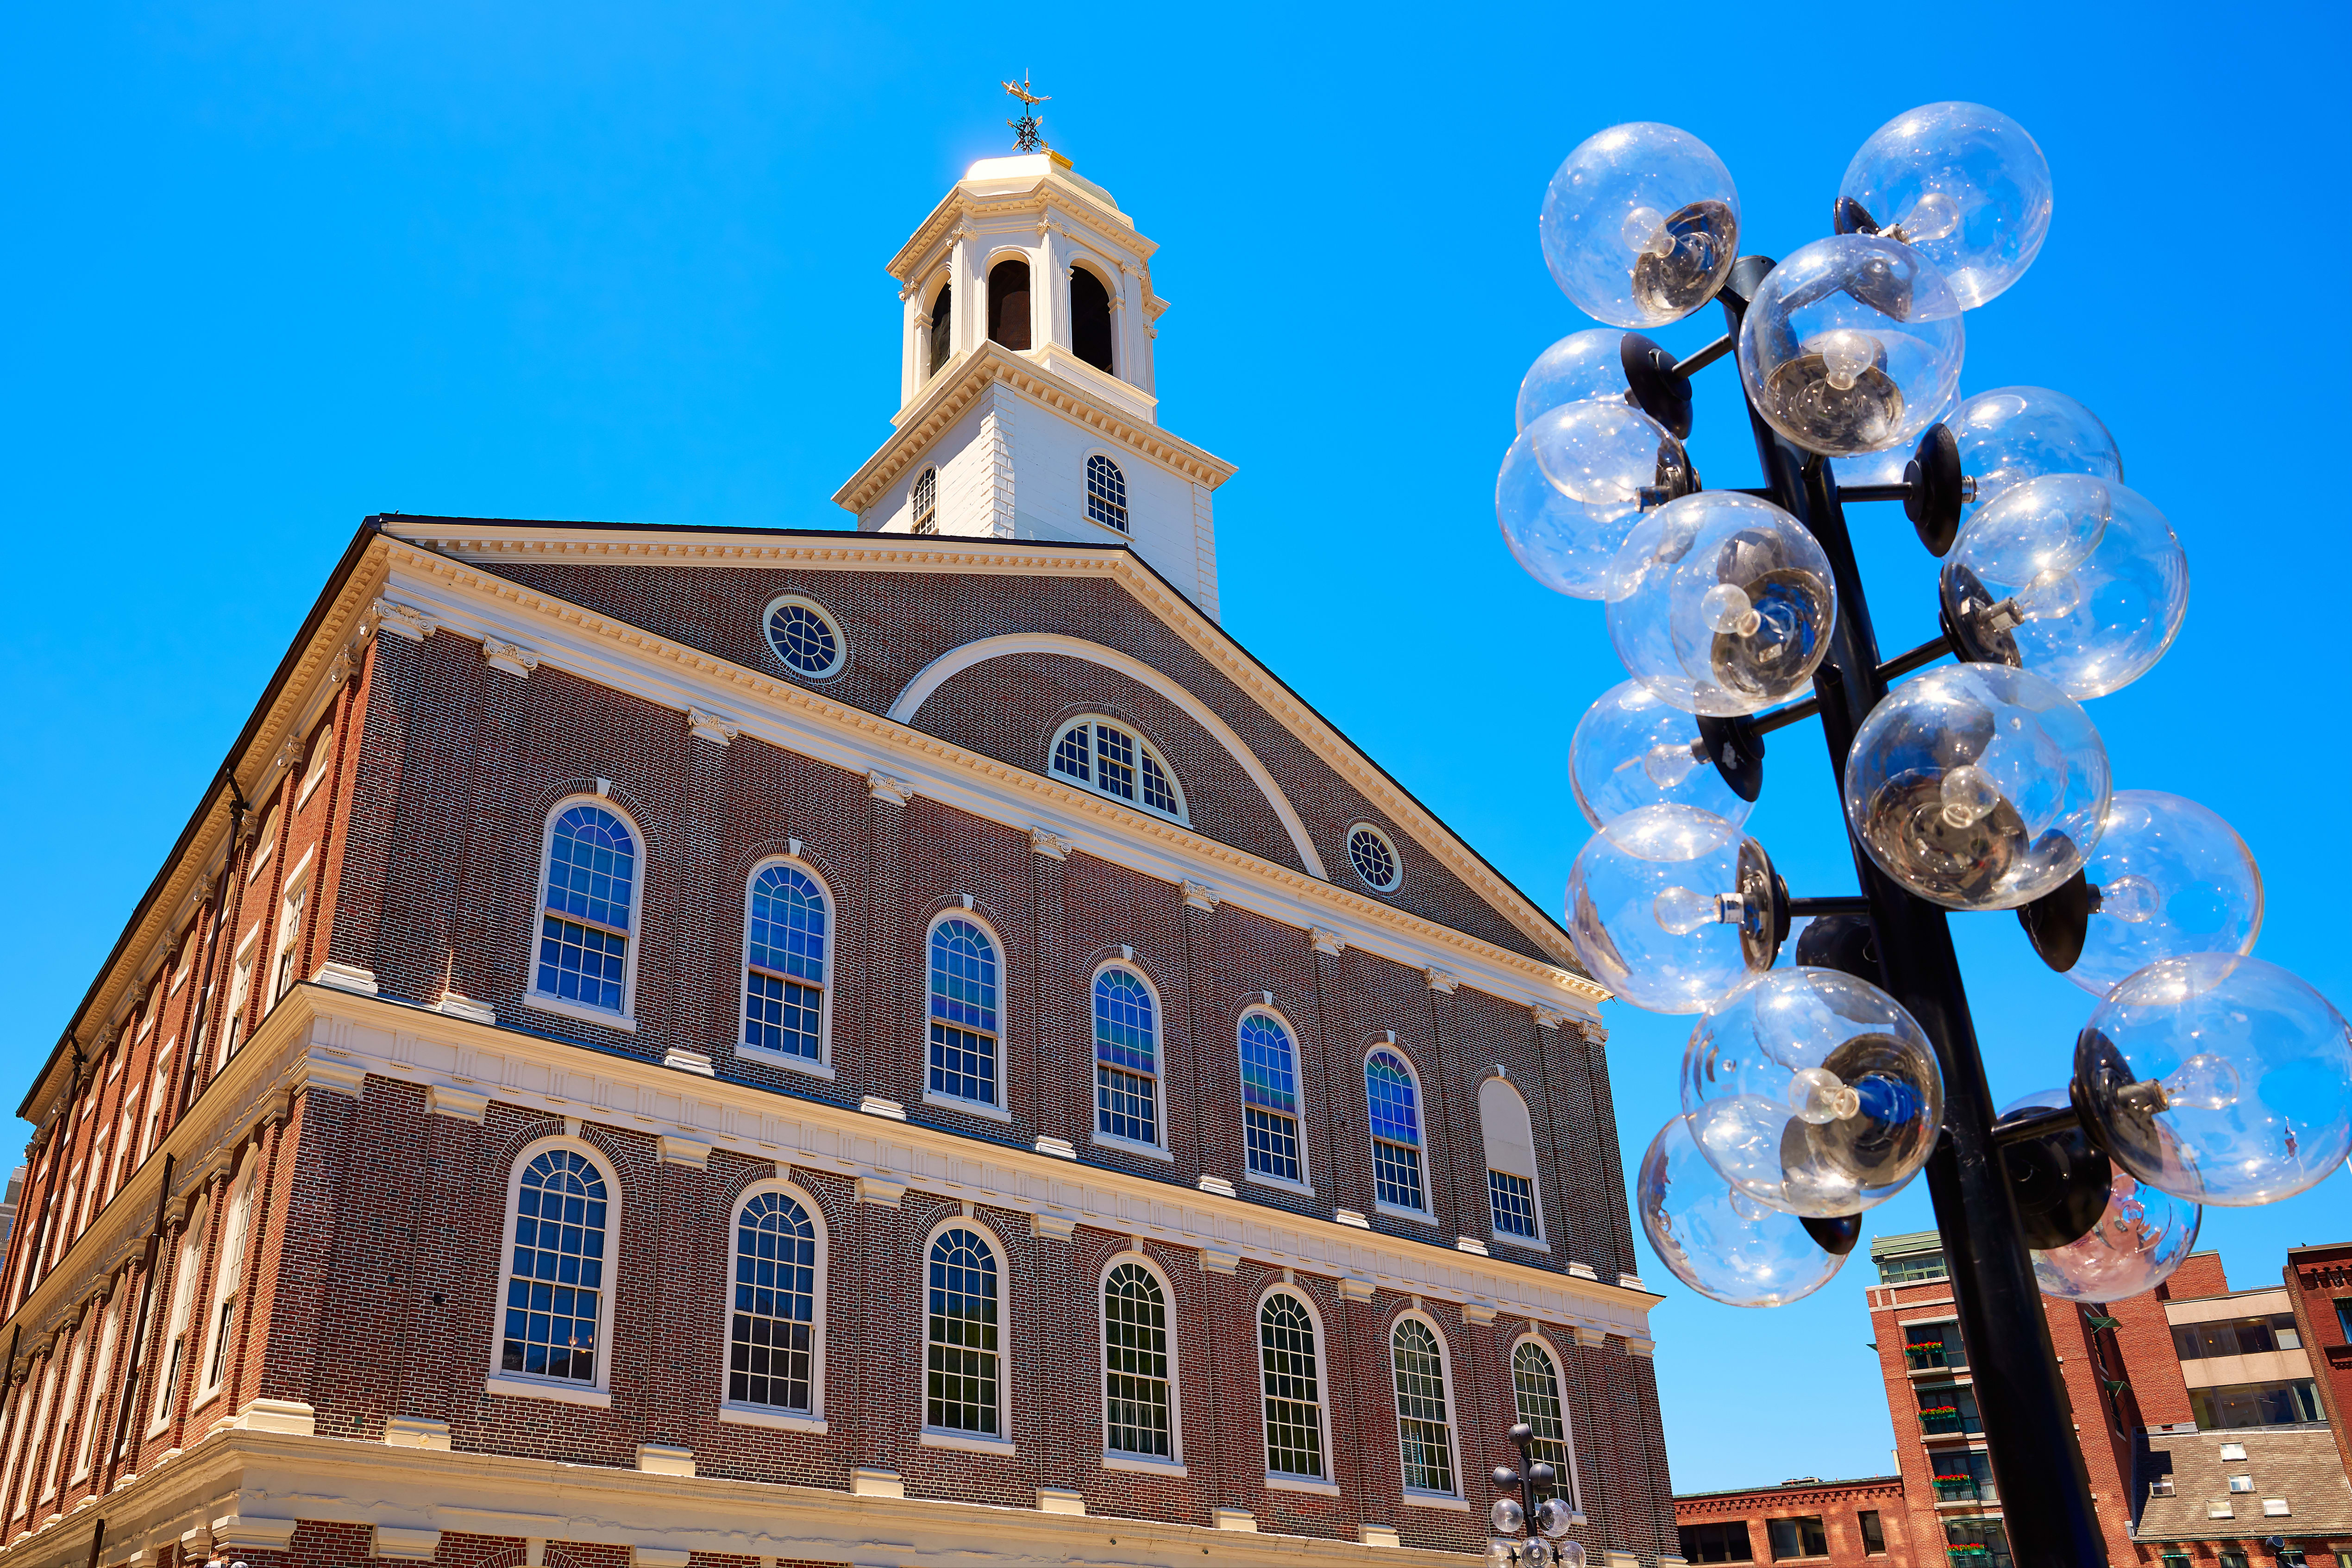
x,y
1090,319
1424,1421
1510,1162
589,909
1008,303
1395,1101
1293,1388
1535,1394
1115,761
942,344
1270,1099
1136,1384
963,1012
772,1336
1126,1058
1106,493
229,1285
924,501
555,1277
784,964
962,1391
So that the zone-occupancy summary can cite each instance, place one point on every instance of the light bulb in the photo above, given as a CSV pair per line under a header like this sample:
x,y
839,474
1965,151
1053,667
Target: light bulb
x,y
1723,1245
2168,878
1646,906
2030,793
1570,490
1721,603
1641,225
1851,345
1681,911
2010,435
2218,1078
1632,749
1583,367
1965,184
1812,1092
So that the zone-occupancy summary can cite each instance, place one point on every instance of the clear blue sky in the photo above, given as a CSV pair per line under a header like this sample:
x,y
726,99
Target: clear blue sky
x,y
273,267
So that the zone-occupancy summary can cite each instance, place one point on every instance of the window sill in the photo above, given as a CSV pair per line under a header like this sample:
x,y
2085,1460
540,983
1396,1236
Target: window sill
x,y
1102,1140
1301,1483
1278,1184
932,1437
515,1387
968,1107
1532,1243
1417,1216
736,1415
786,1061
1437,1500
1143,1465
581,1010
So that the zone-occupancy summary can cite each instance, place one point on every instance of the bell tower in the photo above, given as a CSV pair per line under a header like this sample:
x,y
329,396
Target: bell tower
x,y
1025,403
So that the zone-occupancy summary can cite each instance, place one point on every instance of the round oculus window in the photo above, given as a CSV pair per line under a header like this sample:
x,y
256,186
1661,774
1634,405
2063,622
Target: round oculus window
x,y
1374,858
804,636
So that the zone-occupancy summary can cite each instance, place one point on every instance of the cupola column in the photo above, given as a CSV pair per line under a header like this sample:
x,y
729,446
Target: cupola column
x,y
971,302
1050,288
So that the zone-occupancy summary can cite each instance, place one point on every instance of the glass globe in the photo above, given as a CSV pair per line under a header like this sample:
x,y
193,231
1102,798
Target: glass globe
x,y
1812,1092
1978,786
2220,1078
2074,577
1887,467
1631,749
1668,906
1641,225
1568,1554
2139,1240
1961,182
1719,1242
1721,603
1502,1554
1506,1515
2172,879
1554,1518
2011,434
1536,1552
1583,367
1570,490
1851,345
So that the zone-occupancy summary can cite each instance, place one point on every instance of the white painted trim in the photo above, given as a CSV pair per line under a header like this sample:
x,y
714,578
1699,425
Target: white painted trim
x,y
735,1414
500,1380
823,1066
939,1438
812,1418
1158,1149
995,1245
1174,1463
998,1110
1133,732
1322,1388
955,660
1139,1465
546,1001
833,624
1452,1413
519,1387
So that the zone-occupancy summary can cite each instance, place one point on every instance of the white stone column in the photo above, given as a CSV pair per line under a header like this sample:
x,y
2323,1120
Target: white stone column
x,y
970,305
1049,285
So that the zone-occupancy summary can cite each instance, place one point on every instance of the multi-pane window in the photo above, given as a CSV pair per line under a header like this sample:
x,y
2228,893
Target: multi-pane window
x,y
40,1425
1800,1537
1535,1395
72,1388
804,637
1127,1058
94,1401
1948,1409
289,941
961,1395
1396,1130
591,870
926,501
1513,1199
772,1341
183,1302
555,1286
1270,1097
228,1282
1374,858
2286,1403
1425,1428
783,977
1984,1543
1106,493
1134,1363
1874,1533
1963,1475
963,1012
1725,1540
1111,761
1293,1388
2237,1336
1927,1346
240,986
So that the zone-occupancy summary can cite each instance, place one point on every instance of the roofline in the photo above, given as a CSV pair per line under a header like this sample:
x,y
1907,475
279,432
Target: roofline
x,y
1817,1484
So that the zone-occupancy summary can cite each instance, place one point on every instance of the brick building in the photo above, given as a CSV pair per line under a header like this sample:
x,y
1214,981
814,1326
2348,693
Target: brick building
x,y
698,1049
1857,1523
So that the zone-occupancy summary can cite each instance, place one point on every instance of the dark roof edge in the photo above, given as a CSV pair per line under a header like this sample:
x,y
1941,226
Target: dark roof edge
x,y
1822,1483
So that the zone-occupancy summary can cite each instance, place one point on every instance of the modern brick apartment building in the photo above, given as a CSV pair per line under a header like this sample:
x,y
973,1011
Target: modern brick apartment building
x,y
697,1049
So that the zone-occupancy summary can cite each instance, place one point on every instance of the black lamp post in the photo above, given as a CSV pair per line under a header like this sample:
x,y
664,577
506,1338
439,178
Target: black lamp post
x,y
1533,1532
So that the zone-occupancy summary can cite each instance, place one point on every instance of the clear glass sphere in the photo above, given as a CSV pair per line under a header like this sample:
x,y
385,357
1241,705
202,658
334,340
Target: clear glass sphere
x,y
1721,603
2075,578
2220,1078
1554,1518
2172,879
1646,907
1583,367
1502,1554
1506,1515
1978,786
2139,1240
1887,467
1716,1239
1569,1554
1852,345
2010,435
1812,1092
1570,490
1641,225
1536,1552
1632,750
1962,183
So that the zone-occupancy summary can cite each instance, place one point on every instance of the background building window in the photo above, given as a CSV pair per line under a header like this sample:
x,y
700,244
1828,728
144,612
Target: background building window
x,y
1106,493
555,1280
1293,1388
805,637
1874,1533
1929,1345
1090,319
1723,1541
942,340
772,1346
2294,1402
1127,1058
1111,761
1396,1131
592,868
1801,1537
961,1393
1008,304
925,501
1269,1098
1947,1409
963,1012
2237,1336
1134,1363
1374,858
784,978
1424,1426
1984,1543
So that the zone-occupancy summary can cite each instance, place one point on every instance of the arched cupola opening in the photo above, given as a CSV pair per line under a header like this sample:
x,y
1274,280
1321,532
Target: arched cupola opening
x,y
1008,304
1090,319
942,344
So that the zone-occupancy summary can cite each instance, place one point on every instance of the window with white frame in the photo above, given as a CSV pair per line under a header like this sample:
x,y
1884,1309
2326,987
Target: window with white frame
x,y
94,1401
289,940
1106,493
1535,1395
1375,859
1424,1421
1126,1058
588,912
72,1390
964,1038
924,502
1270,1099
1394,1098
805,636
98,1169
555,1273
174,1359
1293,1388
322,750
39,1427
264,843
962,1389
1112,760
240,986
228,1287
772,1337
158,1087
1137,1410
784,964
19,1419
1510,1162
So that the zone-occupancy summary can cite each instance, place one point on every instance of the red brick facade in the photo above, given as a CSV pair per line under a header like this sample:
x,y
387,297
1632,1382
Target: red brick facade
x,y
1757,1524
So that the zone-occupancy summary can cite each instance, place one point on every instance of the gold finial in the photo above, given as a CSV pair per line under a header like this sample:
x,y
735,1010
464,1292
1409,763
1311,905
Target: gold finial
x,y
1024,130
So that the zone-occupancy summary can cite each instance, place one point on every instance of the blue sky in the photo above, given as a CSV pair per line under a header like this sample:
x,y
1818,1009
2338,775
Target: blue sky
x,y
273,267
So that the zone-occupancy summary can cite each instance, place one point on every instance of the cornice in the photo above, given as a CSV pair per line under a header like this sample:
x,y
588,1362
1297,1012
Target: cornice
x,y
917,256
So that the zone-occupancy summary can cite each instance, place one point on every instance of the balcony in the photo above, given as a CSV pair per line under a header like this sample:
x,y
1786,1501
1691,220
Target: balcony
x,y
1953,1490
1948,1421
1934,1356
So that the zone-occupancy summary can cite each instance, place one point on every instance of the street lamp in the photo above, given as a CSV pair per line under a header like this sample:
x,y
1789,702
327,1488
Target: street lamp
x,y
1811,1092
1545,1517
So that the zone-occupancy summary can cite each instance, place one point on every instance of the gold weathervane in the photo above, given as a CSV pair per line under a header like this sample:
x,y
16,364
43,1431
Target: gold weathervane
x,y
1024,130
